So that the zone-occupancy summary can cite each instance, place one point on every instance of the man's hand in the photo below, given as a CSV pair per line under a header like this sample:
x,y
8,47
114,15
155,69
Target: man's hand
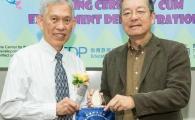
x,y
120,102
66,106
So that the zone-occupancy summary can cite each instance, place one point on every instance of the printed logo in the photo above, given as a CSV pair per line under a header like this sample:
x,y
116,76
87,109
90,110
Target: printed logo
x,y
17,3
77,50
96,116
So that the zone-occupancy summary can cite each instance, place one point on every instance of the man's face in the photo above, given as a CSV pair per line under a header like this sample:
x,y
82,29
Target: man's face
x,y
136,17
57,24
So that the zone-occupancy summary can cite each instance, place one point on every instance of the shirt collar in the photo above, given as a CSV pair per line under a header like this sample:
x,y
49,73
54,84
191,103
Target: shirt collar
x,y
50,50
142,46
139,49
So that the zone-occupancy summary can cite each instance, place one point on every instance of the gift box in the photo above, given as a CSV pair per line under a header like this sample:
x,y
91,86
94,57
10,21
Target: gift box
x,y
94,113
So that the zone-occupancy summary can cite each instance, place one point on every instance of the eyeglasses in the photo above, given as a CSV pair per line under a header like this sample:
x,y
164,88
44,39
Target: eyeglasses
x,y
138,13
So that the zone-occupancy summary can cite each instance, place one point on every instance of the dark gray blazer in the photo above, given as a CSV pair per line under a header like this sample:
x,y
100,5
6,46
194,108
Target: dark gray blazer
x,y
164,84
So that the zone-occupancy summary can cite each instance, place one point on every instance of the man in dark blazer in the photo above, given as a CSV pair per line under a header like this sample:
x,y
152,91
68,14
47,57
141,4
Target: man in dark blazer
x,y
147,78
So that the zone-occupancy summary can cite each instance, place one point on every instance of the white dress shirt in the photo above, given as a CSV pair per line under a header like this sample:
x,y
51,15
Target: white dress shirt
x,y
29,90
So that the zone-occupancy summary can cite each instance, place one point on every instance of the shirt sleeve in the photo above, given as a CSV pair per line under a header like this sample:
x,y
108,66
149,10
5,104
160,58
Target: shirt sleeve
x,y
13,104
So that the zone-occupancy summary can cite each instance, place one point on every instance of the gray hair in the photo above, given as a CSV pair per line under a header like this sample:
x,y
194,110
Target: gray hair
x,y
45,3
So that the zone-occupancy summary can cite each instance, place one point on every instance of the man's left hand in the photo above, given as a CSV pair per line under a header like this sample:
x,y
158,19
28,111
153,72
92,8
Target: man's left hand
x,y
120,102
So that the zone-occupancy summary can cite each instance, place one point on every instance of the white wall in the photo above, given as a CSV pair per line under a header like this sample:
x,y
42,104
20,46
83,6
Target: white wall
x,y
188,112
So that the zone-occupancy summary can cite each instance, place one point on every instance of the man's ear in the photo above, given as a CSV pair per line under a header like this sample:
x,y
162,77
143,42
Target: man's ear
x,y
153,17
73,23
39,21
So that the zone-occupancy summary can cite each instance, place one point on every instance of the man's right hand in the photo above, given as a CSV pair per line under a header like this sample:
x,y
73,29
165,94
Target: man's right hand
x,y
66,107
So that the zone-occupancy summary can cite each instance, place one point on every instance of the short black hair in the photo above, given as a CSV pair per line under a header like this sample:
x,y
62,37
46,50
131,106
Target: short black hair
x,y
150,5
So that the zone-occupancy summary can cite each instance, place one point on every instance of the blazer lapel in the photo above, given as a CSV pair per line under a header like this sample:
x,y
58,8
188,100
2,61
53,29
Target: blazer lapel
x,y
122,63
151,50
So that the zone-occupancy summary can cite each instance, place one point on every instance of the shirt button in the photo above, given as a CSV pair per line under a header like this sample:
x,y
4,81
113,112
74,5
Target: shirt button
x,y
136,73
136,88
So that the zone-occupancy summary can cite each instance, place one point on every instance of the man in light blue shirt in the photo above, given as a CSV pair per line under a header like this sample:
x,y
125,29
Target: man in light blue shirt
x,y
30,90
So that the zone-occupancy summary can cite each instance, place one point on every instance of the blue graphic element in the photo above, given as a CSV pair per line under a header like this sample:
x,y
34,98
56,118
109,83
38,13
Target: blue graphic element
x,y
96,113
14,2
11,1
77,50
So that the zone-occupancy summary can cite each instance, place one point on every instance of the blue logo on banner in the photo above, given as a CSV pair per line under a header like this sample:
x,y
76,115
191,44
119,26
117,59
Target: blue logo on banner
x,y
94,114
77,50
11,1
14,2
